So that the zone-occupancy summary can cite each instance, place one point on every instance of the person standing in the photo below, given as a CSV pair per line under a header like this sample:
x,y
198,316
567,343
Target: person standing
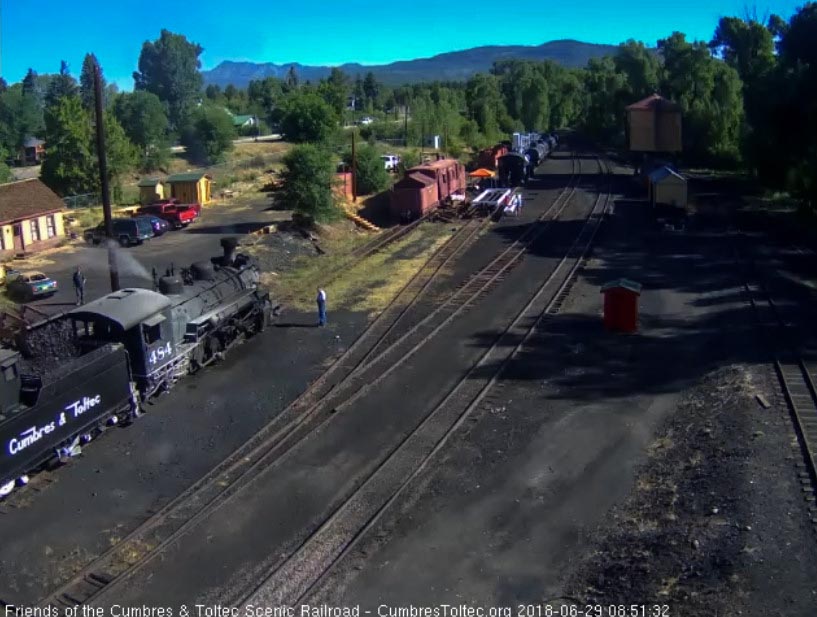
x,y
79,286
321,299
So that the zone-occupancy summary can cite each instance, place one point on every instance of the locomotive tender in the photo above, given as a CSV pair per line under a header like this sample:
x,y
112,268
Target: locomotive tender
x,y
115,351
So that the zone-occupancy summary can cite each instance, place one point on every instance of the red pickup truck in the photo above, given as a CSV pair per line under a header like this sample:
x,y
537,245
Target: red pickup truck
x,y
174,212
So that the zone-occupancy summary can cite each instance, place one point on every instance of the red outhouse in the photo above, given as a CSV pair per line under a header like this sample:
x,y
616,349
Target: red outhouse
x,y
621,305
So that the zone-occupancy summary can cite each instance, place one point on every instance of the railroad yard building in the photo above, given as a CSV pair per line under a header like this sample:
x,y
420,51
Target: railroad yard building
x,y
151,190
191,187
667,187
654,125
30,217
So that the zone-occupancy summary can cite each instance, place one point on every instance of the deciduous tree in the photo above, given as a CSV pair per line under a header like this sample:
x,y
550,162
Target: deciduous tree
x,y
208,134
307,117
144,121
68,167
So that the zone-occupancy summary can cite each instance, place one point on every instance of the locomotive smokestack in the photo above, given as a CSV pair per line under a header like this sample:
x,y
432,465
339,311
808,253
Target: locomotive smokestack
x,y
229,245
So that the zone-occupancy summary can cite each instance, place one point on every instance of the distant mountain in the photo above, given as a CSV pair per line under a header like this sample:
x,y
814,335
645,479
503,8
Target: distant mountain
x,y
451,66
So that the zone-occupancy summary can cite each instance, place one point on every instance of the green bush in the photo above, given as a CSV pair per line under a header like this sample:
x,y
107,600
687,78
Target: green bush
x,y
371,176
308,177
410,159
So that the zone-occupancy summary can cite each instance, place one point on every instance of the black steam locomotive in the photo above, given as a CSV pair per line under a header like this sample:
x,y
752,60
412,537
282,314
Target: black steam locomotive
x,y
68,379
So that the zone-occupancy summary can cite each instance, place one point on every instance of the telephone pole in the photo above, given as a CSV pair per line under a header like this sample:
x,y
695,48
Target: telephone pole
x,y
103,178
354,168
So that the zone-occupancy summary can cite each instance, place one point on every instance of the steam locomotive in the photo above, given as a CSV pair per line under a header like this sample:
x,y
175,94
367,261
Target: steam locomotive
x,y
66,380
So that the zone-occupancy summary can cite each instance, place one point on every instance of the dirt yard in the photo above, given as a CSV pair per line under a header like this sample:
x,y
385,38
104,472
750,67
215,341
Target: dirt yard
x,y
716,517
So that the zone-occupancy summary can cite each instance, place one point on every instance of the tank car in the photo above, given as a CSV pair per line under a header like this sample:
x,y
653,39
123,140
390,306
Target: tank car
x,y
513,169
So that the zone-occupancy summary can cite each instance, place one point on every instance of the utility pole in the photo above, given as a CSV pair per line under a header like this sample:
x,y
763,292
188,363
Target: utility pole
x,y
354,168
405,125
103,178
422,139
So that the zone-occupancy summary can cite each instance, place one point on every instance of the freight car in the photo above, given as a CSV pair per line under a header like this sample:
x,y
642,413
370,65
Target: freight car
x,y
69,378
427,186
514,170
488,157
537,153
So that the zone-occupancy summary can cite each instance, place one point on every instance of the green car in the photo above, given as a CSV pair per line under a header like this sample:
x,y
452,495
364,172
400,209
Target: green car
x,y
30,286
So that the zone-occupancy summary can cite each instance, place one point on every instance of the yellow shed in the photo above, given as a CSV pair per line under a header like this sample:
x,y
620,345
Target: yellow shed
x,y
151,190
191,187
654,125
668,187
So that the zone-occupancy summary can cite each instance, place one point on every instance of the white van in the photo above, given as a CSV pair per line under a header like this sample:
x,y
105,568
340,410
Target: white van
x,y
390,161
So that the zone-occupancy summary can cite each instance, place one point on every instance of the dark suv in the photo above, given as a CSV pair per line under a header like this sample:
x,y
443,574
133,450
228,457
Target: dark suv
x,y
127,231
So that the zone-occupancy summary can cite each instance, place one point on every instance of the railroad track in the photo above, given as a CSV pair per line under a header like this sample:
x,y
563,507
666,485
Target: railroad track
x,y
796,372
290,582
166,522
336,389
387,237
376,244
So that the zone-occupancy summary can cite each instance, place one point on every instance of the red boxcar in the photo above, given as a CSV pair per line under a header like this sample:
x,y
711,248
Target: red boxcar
x,y
425,187
489,156
449,174
412,196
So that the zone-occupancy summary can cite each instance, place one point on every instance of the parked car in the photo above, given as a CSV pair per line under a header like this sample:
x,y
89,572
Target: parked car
x,y
366,121
178,203
390,161
126,231
30,285
177,214
160,226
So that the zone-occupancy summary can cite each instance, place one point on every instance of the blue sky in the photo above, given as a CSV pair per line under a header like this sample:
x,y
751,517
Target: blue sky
x,y
39,33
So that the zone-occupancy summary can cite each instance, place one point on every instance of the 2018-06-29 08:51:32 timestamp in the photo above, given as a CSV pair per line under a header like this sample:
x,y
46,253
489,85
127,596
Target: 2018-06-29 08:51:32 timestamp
x,y
594,610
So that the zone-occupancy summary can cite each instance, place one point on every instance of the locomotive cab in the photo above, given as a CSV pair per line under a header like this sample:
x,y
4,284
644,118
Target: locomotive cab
x,y
137,318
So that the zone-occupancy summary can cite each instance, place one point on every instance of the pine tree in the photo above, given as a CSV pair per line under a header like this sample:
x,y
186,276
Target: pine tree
x,y
86,81
62,85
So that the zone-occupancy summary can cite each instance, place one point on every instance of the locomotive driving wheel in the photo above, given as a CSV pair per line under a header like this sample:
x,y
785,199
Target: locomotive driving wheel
x,y
214,348
262,319
197,359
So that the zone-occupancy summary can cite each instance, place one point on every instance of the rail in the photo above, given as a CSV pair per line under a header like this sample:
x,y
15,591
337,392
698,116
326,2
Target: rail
x,y
327,395
337,536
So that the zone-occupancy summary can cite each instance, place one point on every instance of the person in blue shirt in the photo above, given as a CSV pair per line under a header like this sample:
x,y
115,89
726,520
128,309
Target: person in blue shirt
x,y
321,299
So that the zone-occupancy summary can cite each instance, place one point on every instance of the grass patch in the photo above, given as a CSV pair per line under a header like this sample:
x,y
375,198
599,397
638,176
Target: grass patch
x,y
85,217
368,286
261,148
